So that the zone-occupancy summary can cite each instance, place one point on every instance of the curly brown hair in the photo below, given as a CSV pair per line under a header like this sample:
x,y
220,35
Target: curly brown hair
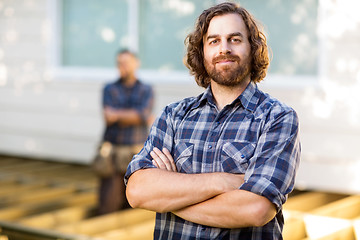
x,y
194,58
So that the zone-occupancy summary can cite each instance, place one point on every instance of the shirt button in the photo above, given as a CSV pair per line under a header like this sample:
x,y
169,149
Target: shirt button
x,y
243,156
210,147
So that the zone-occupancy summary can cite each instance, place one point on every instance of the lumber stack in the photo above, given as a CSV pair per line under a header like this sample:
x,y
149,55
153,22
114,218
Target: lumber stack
x,y
50,200
322,216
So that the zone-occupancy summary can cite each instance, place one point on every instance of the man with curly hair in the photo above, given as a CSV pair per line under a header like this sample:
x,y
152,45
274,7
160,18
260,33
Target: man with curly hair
x,y
220,165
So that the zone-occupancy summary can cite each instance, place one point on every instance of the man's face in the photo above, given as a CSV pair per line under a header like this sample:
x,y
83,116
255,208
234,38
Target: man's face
x,y
227,50
127,65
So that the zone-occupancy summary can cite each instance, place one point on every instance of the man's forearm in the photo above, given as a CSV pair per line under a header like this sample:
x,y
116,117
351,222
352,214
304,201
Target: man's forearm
x,y
164,191
234,209
124,117
128,117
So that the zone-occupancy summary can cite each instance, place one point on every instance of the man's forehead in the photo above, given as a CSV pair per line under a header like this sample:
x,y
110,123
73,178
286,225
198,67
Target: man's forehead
x,y
226,25
126,56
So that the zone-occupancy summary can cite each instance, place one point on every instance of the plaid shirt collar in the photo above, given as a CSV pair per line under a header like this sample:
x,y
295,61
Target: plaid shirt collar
x,y
249,98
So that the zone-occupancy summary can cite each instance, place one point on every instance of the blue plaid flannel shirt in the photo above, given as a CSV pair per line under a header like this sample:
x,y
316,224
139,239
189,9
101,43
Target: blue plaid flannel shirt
x,y
138,97
256,135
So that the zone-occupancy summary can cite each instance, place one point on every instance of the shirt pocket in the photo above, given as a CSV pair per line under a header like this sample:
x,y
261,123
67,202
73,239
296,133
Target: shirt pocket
x,y
235,156
183,156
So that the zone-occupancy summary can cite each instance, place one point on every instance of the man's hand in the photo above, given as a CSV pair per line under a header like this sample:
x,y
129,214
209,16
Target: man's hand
x,y
123,117
111,115
163,159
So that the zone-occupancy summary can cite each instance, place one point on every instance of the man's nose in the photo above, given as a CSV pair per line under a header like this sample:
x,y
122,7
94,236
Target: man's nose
x,y
225,48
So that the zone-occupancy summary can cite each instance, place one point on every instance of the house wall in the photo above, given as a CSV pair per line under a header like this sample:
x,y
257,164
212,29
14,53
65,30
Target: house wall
x,y
58,118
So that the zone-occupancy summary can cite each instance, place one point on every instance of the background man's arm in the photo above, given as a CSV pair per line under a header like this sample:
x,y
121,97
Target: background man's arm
x,y
137,115
125,117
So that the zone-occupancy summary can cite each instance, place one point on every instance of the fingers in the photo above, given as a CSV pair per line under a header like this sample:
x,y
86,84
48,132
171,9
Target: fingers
x,y
160,160
171,160
163,159
154,162
231,181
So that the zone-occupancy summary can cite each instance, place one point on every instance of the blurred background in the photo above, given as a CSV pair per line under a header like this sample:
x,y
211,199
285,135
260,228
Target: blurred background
x,y
56,55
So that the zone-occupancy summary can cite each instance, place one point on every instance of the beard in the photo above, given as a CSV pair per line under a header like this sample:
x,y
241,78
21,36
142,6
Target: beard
x,y
228,75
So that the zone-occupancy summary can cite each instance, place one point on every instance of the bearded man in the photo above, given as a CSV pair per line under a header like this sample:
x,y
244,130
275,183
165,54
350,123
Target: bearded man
x,y
220,165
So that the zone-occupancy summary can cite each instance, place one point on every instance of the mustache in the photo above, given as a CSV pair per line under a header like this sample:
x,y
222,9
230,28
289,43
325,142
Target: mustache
x,y
228,57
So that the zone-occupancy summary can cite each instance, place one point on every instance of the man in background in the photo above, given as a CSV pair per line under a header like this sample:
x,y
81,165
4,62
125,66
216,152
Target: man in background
x,y
127,107
220,165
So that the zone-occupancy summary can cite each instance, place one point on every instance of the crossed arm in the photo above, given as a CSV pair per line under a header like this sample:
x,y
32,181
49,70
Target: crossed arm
x,y
125,117
211,199
121,116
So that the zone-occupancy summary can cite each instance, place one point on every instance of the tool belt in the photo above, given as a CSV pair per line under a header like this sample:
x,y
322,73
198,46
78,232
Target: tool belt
x,y
111,158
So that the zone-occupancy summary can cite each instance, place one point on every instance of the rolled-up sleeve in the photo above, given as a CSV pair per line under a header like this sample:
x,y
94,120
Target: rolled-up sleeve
x,y
145,107
272,168
161,136
107,97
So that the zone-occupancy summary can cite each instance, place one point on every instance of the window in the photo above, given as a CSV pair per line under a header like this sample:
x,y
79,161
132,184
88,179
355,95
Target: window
x,y
164,25
93,32
291,34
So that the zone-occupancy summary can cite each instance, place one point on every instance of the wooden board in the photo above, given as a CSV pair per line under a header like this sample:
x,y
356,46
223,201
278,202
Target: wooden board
x,y
294,226
328,228
53,219
108,222
47,204
347,208
140,231
311,200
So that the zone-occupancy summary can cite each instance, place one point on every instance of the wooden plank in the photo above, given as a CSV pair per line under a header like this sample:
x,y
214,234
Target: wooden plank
x,y
108,222
309,201
48,169
13,198
15,178
21,166
57,170
63,174
343,234
356,226
320,227
6,161
348,208
3,237
59,217
140,231
29,196
45,205
8,183
17,188
79,186
17,232
78,177
90,197
45,171
294,227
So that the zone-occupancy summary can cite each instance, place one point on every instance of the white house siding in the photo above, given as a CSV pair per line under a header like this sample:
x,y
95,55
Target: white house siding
x,y
57,118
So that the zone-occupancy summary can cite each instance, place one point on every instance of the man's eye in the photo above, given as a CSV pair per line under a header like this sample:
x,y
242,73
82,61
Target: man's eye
x,y
213,41
235,40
